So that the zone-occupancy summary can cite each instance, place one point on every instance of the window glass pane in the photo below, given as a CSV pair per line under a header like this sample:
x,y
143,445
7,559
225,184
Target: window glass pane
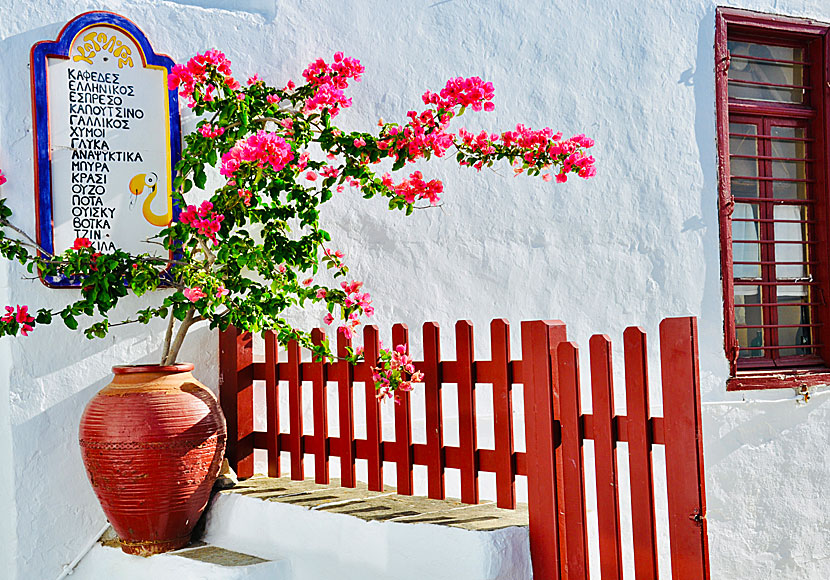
x,y
755,68
744,188
794,312
783,147
753,315
740,166
745,230
742,145
790,232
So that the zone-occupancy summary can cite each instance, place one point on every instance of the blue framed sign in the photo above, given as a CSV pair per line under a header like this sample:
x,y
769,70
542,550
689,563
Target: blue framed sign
x,y
107,138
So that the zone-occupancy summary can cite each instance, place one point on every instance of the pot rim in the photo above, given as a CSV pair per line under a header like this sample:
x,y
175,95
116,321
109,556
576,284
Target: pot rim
x,y
151,368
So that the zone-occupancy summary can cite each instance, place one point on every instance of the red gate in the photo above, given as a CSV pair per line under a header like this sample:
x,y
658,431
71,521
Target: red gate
x,y
554,423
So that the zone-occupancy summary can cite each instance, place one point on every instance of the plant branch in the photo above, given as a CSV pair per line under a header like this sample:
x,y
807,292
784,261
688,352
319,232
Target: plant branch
x,y
177,343
29,241
168,336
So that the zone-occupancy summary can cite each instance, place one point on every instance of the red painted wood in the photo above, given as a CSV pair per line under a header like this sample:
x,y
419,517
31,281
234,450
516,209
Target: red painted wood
x,y
466,410
272,403
791,379
499,376
403,424
605,454
295,410
371,348
639,454
345,401
236,388
573,460
684,449
538,337
725,201
433,379
319,384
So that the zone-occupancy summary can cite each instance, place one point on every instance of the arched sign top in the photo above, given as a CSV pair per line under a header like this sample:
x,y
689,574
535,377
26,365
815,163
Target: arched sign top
x,y
107,137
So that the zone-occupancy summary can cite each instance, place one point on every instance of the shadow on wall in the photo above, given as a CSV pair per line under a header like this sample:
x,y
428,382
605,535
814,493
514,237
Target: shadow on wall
x,y
702,81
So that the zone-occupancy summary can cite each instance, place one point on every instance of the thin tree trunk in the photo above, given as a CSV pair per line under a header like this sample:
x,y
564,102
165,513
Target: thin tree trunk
x,y
177,343
168,336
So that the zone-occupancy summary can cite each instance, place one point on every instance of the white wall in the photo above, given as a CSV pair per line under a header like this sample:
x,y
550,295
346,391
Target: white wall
x,y
636,244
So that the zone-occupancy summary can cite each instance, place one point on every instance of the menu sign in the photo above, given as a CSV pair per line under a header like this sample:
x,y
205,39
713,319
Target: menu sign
x,y
108,137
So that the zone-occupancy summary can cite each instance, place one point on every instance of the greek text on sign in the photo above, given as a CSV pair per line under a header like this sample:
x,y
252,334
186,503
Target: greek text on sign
x,y
109,137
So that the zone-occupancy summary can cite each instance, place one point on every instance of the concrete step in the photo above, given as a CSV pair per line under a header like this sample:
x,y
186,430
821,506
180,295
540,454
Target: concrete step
x,y
200,562
353,534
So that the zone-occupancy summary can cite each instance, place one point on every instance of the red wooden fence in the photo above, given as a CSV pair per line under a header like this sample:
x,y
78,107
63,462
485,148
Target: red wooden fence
x,y
555,431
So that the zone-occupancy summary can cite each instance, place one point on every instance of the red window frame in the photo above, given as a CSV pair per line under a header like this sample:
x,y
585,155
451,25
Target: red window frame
x,y
731,23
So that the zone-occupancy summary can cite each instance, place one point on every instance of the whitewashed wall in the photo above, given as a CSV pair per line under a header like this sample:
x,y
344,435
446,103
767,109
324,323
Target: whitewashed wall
x,y
636,244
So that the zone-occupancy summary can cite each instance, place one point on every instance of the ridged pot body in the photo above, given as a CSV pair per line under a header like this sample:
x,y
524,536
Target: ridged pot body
x,y
152,442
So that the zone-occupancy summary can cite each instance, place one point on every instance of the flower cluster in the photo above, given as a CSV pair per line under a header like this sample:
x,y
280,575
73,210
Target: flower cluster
x,y
198,71
193,294
482,143
2,177
416,188
81,243
211,131
263,147
472,92
20,317
395,372
330,81
206,221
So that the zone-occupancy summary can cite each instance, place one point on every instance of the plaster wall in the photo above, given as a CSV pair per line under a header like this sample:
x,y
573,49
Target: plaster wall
x,y
632,246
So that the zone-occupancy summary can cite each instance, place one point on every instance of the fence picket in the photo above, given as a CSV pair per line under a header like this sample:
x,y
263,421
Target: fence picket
x,y
573,462
605,454
272,403
502,413
295,410
371,346
433,381
403,423
639,454
465,383
538,339
319,384
236,355
684,449
345,402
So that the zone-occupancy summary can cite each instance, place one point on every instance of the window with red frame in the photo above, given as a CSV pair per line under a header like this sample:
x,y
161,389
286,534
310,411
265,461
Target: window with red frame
x,y
772,104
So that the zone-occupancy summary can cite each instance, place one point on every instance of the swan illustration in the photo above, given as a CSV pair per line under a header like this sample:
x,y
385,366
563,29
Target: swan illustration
x,y
138,185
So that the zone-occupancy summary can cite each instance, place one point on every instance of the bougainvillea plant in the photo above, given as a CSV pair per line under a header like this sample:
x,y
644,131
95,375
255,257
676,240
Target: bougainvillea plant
x,y
255,249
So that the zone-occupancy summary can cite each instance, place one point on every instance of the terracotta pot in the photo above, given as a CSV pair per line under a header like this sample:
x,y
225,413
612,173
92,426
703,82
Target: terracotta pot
x,y
152,443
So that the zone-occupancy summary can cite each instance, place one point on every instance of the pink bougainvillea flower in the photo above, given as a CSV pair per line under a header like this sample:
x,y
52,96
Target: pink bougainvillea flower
x,y
211,131
254,79
261,149
351,287
193,294
222,291
81,243
204,220
328,318
2,177
308,281
321,293
311,176
359,142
